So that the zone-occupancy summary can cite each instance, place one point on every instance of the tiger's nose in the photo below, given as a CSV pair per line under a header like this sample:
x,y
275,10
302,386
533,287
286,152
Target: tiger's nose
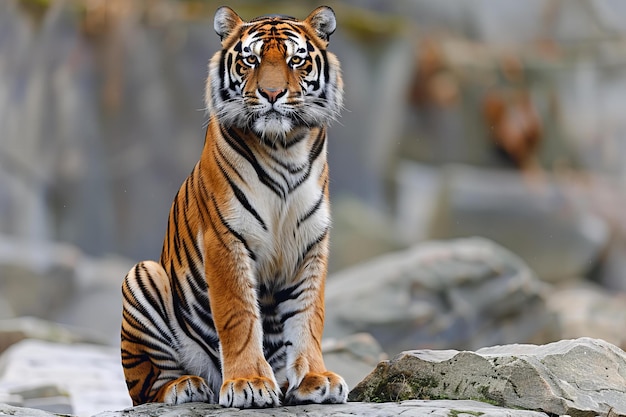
x,y
272,94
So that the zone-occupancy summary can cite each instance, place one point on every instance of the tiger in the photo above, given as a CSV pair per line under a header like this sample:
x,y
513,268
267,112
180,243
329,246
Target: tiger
x,y
233,312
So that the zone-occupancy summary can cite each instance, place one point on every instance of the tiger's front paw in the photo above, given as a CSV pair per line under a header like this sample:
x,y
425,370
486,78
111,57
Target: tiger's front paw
x,y
326,387
259,392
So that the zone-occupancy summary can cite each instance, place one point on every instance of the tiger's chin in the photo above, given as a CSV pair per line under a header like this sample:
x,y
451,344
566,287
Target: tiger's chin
x,y
273,126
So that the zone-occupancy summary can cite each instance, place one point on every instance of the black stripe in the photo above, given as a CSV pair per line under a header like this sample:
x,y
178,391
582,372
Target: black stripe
x,y
147,385
273,349
232,231
216,232
198,253
174,218
312,210
294,141
248,337
318,146
222,72
232,167
326,66
272,327
316,151
291,168
287,293
134,302
183,307
196,273
313,244
161,302
237,143
290,314
201,200
241,196
246,204
140,327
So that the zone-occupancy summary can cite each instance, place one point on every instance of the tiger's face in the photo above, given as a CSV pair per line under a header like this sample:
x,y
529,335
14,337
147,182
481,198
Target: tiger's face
x,y
273,74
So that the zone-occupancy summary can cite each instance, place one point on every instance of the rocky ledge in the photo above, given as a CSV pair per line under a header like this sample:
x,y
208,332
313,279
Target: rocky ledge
x,y
411,408
579,377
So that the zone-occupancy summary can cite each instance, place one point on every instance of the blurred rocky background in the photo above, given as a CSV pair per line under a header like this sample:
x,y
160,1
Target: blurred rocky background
x,y
478,181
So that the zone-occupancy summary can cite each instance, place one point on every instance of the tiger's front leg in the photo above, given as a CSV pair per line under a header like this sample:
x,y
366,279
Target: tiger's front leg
x,y
307,377
248,379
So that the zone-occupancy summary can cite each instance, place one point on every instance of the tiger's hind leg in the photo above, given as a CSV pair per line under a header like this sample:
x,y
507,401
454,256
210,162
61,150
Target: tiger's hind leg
x,y
149,345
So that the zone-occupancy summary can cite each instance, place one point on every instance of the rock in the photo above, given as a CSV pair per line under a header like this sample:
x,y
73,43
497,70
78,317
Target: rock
x,y
611,275
97,305
58,282
71,378
417,190
464,293
415,408
10,410
352,357
44,397
585,309
17,329
359,233
537,221
38,279
582,377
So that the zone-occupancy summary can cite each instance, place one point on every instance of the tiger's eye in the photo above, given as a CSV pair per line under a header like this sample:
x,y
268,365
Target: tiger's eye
x,y
251,60
295,60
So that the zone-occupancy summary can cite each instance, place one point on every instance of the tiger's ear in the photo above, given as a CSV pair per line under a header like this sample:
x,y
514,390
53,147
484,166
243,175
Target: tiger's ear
x,y
323,21
226,20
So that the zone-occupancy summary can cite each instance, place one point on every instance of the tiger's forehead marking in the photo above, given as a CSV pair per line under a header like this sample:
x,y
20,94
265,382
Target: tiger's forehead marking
x,y
276,32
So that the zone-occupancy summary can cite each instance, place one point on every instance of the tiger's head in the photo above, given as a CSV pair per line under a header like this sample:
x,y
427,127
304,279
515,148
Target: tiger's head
x,y
274,74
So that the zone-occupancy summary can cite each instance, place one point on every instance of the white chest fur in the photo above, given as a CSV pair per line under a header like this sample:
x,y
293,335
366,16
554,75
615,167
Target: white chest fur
x,y
286,208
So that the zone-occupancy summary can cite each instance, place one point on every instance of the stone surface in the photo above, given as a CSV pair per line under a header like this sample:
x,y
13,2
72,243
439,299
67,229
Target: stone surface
x,y
412,408
38,278
538,221
10,410
58,374
359,233
585,309
582,377
80,379
60,283
353,357
465,294
20,328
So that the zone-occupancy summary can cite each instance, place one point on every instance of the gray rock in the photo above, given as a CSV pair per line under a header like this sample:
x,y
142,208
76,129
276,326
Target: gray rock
x,y
538,221
68,376
359,233
20,328
10,410
352,357
83,379
413,408
97,304
585,309
465,294
38,278
582,377
611,275
59,282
